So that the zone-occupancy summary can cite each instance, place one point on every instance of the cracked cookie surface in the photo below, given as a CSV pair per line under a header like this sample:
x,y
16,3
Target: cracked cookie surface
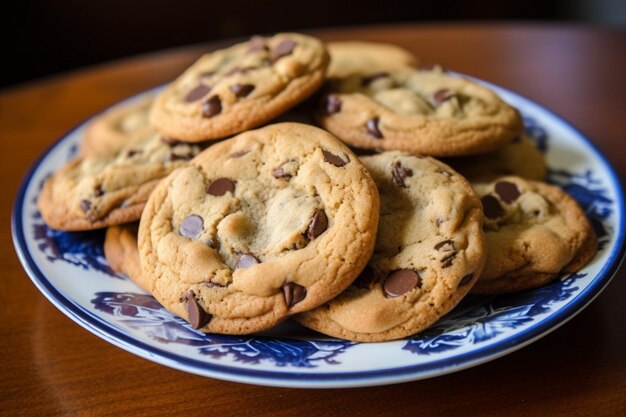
x,y
358,57
97,191
424,111
113,129
429,252
534,232
241,87
267,224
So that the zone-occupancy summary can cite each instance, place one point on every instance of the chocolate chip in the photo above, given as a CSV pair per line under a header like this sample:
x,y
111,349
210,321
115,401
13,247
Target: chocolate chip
x,y
467,278
212,106
448,260
220,187
334,159
98,191
318,224
132,152
399,174
246,260
191,226
280,173
284,48
239,154
445,245
367,80
241,90
372,128
331,105
256,43
294,293
85,205
400,282
197,93
491,207
197,316
365,278
507,191
442,95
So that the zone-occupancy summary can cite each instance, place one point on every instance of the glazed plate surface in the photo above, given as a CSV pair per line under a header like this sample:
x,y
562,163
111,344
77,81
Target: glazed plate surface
x,y
70,270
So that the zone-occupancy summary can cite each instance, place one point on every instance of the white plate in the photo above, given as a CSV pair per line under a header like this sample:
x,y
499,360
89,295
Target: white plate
x,y
69,269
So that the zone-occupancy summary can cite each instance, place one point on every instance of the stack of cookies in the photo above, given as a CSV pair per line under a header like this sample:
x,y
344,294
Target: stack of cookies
x,y
240,229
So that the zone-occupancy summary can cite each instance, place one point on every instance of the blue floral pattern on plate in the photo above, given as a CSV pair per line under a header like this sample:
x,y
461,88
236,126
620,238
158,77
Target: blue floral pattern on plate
x,y
491,317
143,312
476,329
475,325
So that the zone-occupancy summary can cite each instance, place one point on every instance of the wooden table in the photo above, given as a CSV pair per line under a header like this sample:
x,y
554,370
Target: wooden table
x,y
51,366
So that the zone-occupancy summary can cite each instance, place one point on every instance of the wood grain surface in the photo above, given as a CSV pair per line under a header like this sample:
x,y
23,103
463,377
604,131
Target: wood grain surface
x,y
51,366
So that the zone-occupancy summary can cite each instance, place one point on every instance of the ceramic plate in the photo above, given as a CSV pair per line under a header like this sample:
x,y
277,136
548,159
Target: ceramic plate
x,y
70,270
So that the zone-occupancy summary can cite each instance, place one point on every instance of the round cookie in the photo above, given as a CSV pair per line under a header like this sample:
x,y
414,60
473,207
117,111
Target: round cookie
x,y
429,253
270,223
121,252
241,87
520,158
534,232
113,129
97,191
357,57
428,112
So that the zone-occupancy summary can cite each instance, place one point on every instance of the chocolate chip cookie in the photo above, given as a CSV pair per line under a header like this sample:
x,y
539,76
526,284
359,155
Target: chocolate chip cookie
x,y
270,223
122,254
534,232
429,253
97,191
358,57
425,111
520,158
241,87
112,130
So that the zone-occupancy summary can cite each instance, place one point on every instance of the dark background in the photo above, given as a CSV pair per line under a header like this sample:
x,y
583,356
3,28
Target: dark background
x,y
46,37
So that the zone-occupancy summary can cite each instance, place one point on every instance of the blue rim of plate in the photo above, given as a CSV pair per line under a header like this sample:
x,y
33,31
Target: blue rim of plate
x,y
106,331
